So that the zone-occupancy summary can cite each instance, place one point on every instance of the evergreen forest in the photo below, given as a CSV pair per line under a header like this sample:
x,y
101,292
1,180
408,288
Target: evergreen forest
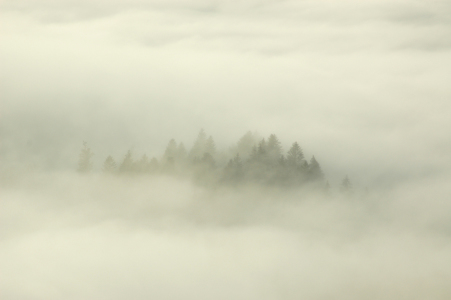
x,y
252,160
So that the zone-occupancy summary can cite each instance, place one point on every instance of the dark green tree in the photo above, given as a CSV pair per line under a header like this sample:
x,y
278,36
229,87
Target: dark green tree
x,y
314,170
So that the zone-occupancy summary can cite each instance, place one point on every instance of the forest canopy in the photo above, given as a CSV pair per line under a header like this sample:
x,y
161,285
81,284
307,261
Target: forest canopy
x,y
251,159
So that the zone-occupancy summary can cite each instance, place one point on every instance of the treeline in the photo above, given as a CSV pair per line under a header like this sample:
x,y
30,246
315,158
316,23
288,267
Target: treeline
x,y
250,160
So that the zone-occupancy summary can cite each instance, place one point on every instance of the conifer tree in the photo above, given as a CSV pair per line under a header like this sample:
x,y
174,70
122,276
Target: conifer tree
x,y
171,150
245,144
127,164
262,148
233,172
274,148
84,159
199,146
315,172
109,166
210,146
295,155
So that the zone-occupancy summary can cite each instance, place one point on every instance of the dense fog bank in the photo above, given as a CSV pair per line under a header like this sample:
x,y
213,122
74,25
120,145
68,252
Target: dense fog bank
x,y
69,236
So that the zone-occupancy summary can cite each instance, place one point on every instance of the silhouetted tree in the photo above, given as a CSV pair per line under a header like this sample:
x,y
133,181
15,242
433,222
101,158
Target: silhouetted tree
x,y
199,146
84,159
127,164
245,145
109,166
295,155
314,171
262,149
274,149
233,172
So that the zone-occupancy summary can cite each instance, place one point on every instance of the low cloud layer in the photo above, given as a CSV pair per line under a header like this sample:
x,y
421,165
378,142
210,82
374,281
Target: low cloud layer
x,y
67,236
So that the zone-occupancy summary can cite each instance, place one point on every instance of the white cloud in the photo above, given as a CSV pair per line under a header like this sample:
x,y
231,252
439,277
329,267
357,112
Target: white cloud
x,y
64,236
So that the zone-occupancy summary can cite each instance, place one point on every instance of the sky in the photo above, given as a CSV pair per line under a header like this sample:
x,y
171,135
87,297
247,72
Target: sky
x,y
362,85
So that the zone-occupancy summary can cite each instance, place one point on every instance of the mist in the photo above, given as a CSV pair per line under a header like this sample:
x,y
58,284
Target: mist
x,y
361,86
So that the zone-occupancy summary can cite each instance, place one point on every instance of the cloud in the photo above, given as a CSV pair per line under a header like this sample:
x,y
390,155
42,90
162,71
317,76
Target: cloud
x,y
89,237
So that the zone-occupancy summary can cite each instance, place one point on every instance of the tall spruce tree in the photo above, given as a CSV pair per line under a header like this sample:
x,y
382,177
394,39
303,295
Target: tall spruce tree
x,y
127,164
295,155
245,144
198,148
315,172
210,146
274,148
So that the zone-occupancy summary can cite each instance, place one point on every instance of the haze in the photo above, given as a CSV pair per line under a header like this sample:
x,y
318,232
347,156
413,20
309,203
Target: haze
x,y
361,85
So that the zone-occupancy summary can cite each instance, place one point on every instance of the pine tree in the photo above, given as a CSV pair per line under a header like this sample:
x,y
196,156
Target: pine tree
x,y
295,155
262,148
233,172
245,144
274,148
210,147
314,170
199,146
84,159
109,166
171,151
127,164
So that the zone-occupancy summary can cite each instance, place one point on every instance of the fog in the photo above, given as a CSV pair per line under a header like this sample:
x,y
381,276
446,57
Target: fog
x,y
361,85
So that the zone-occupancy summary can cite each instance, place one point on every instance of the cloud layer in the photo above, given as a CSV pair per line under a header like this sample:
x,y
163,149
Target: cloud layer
x,y
64,236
